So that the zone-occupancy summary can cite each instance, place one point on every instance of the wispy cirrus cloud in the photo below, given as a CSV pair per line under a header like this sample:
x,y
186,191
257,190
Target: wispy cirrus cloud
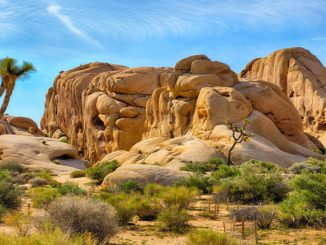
x,y
318,39
55,10
95,21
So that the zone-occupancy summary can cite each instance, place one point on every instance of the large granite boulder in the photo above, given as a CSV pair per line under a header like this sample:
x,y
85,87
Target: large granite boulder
x,y
302,77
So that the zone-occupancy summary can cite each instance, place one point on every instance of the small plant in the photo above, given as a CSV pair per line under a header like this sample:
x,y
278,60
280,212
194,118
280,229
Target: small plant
x,y
79,215
130,186
239,135
173,219
3,210
20,221
53,237
244,214
177,197
42,196
208,237
304,167
10,194
265,216
225,171
38,181
202,182
78,174
99,172
12,166
203,167
70,188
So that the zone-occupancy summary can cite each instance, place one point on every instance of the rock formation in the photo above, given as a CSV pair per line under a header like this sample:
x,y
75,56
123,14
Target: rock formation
x,y
19,126
165,117
302,77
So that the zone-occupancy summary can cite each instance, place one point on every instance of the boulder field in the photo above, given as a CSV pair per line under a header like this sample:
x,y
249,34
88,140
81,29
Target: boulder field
x,y
154,120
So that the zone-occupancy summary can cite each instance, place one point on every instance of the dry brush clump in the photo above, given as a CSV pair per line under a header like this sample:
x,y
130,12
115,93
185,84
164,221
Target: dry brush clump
x,y
76,215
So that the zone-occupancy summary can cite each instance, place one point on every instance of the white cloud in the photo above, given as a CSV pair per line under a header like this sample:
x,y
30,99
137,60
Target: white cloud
x,y
66,20
318,39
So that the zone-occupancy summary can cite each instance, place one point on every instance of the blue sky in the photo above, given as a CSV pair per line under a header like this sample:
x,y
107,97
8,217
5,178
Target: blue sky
x,y
61,34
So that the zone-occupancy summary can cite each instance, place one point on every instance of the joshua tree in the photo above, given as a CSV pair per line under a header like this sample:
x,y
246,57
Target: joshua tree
x,y
10,72
239,135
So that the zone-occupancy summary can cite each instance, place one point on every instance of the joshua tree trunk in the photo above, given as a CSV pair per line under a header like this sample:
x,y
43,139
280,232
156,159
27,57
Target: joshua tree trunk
x,y
5,102
2,88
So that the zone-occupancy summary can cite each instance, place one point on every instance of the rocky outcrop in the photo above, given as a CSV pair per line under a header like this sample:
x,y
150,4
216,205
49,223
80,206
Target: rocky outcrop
x,y
19,126
302,77
154,120
39,153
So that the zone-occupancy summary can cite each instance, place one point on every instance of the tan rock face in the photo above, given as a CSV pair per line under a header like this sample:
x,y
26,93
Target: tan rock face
x,y
39,153
100,107
165,117
302,77
19,126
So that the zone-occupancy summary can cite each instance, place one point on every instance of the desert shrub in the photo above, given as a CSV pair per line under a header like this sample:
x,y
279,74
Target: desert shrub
x,y
78,174
306,203
153,189
12,166
99,172
54,237
257,182
201,182
45,174
78,215
173,219
18,220
208,237
3,210
130,186
10,193
38,181
304,167
225,171
129,205
177,197
42,196
70,188
244,213
203,167
265,216
23,178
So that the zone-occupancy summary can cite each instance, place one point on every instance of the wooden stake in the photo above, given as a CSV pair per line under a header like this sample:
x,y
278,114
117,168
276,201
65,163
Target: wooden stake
x,y
233,227
256,235
227,203
224,228
242,229
209,205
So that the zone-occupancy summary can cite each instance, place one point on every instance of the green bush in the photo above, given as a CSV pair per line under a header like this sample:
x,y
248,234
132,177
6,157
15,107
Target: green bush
x,y
47,175
225,171
306,203
201,182
42,196
12,166
256,182
70,188
3,210
10,193
173,219
177,197
53,237
203,167
78,174
130,186
99,172
208,237
304,167
38,181
78,215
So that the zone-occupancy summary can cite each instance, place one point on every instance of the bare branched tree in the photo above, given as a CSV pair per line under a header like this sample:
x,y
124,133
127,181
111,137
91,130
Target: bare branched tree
x,y
239,135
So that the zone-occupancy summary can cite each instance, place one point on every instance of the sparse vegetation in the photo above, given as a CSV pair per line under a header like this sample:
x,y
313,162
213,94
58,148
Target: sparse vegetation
x,y
100,171
130,186
78,215
78,174
38,181
10,193
173,219
42,196
18,220
203,167
70,188
208,237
